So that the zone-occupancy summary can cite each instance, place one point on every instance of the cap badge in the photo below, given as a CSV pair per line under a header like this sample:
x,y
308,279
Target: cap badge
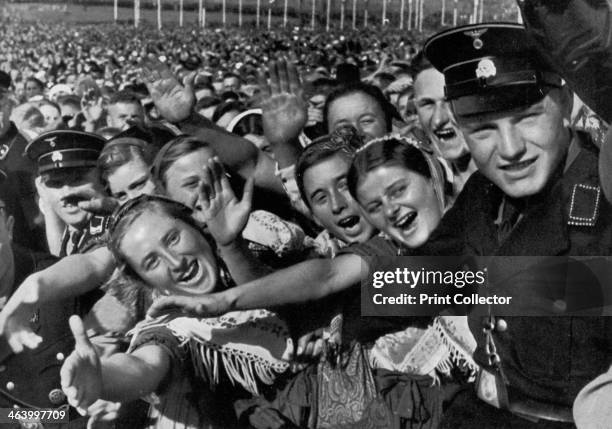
x,y
51,141
475,35
57,156
486,68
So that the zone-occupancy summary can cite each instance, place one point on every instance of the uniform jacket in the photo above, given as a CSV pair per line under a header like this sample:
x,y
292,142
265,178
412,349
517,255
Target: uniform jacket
x,y
548,359
32,378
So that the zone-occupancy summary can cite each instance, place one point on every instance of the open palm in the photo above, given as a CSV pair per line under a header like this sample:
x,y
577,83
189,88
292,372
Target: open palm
x,y
81,373
224,215
174,101
284,110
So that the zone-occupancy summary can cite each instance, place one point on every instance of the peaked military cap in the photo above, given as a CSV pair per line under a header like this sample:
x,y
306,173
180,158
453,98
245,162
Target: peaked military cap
x,y
490,68
65,149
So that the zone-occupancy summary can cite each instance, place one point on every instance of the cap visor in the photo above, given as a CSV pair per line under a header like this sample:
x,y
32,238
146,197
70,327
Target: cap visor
x,y
499,99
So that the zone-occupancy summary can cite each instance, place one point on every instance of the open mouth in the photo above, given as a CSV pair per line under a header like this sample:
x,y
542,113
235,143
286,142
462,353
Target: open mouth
x,y
191,273
348,222
518,166
405,222
445,134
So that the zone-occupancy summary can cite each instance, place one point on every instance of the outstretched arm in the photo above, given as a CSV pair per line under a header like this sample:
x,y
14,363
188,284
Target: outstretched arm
x,y
175,102
122,377
239,154
306,281
71,276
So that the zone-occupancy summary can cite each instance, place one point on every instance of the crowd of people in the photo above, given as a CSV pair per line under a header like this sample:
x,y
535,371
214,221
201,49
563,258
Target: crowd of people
x,y
188,218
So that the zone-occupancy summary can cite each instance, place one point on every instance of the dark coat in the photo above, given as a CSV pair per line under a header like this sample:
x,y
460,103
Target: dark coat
x,y
548,359
32,378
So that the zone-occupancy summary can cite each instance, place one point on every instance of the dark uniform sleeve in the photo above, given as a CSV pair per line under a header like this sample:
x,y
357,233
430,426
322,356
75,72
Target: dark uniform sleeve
x,y
576,38
31,379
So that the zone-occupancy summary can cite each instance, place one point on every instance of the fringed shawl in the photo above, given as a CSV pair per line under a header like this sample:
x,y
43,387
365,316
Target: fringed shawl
x,y
250,346
445,345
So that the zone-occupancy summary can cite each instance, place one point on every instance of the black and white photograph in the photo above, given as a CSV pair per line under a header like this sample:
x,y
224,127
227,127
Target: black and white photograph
x,y
308,214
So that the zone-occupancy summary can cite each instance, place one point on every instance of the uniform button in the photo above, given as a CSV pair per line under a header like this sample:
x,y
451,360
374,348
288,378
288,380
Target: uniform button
x,y
501,325
487,323
60,356
10,386
57,396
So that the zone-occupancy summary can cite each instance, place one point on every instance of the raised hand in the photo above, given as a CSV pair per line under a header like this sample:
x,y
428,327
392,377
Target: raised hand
x,y
174,101
103,414
284,109
92,105
15,319
218,207
81,373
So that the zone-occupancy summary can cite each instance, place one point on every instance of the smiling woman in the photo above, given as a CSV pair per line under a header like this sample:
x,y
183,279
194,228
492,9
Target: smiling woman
x,y
414,195
173,360
173,257
401,188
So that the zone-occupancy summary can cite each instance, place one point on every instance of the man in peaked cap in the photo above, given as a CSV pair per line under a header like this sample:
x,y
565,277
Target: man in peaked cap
x,y
32,378
68,176
536,192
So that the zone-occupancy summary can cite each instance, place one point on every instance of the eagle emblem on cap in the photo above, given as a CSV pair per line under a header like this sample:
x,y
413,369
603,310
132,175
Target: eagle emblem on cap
x,y
486,68
475,35
51,141
57,156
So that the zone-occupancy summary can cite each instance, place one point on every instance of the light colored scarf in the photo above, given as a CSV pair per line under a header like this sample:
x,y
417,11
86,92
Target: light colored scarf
x,y
436,350
250,345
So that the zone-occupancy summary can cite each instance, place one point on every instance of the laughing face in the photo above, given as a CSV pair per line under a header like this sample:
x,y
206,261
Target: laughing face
x,y
185,176
169,255
65,188
131,180
325,186
520,150
401,203
436,117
